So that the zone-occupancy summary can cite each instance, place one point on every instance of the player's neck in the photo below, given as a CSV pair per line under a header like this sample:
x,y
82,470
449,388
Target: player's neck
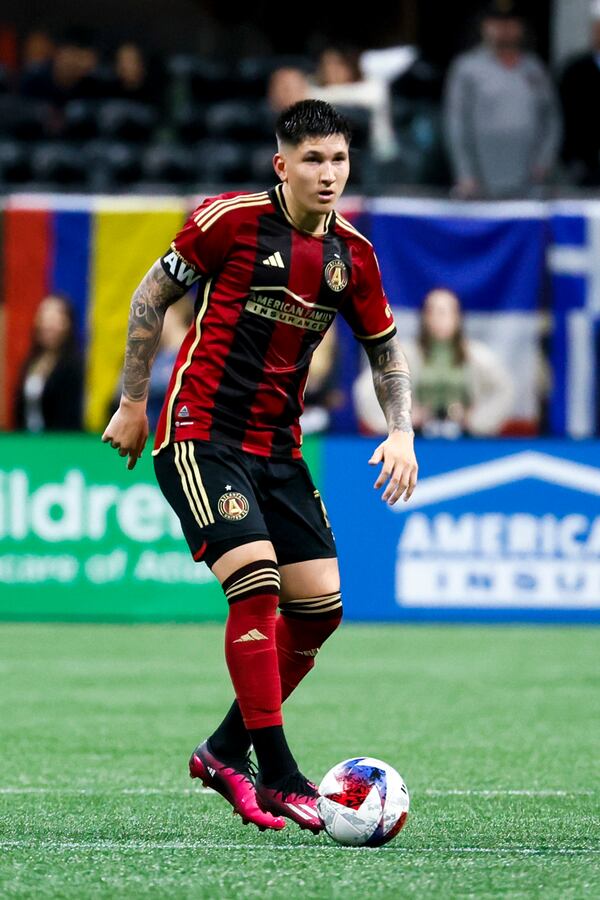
x,y
313,223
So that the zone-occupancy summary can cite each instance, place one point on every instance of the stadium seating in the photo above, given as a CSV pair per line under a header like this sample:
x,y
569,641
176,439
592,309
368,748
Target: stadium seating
x,y
418,126
189,122
261,163
58,163
113,165
4,80
80,120
15,164
239,120
202,80
169,164
26,120
126,120
224,161
210,126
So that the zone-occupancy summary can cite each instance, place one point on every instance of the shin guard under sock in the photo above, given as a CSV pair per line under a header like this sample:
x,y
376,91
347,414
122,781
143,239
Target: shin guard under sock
x,y
299,635
302,628
250,651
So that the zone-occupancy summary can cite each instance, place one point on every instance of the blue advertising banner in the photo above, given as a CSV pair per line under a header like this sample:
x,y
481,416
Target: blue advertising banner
x,y
496,531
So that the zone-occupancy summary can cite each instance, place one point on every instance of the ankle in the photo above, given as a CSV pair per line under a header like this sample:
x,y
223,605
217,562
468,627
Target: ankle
x,y
274,783
275,759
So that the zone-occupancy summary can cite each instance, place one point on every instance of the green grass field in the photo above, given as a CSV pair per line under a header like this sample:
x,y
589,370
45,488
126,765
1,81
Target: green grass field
x,y
496,732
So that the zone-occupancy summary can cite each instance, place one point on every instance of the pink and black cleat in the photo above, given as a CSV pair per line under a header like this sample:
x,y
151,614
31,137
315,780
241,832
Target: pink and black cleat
x,y
294,797
234,781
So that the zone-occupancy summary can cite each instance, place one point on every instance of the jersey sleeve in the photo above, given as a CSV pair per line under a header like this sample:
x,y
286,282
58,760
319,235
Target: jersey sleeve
x,y
199,249
366,309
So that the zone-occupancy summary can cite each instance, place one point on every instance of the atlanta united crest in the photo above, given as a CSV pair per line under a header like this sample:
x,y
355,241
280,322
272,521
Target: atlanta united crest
x,y
233,506
336,274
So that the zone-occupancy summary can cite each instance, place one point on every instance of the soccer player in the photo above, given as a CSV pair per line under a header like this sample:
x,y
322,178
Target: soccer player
x,y
273,269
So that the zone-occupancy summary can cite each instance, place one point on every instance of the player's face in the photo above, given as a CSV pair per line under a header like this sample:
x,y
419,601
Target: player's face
x,y
316,172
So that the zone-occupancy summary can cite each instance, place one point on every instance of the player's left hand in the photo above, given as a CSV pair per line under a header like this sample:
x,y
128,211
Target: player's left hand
x,y
399,466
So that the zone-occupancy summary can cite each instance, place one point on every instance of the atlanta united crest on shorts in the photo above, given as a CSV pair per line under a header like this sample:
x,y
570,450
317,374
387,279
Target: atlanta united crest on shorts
x,y
233,506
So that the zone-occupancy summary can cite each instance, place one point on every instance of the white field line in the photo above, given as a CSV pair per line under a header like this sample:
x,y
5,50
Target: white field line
x,y
429,792
93,792
269,847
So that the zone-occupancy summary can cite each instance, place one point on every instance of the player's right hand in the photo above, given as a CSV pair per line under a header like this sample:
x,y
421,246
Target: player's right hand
x,y
128,430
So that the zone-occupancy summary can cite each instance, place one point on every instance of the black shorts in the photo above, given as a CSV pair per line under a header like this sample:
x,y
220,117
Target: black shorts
x,y
225,497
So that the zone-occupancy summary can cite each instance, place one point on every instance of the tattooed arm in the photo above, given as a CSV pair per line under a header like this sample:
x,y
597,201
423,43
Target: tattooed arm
x,y
127,431
149,304
391,378
392,383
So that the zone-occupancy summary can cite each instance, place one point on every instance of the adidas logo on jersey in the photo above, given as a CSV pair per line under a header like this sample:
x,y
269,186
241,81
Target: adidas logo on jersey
x,y
253,635
184,412
274,260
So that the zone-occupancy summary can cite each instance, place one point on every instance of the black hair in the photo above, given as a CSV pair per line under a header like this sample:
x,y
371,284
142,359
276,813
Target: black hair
x,y
310,119
502,9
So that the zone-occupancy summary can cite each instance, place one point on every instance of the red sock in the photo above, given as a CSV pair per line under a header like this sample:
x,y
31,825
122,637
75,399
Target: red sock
x,y
300,633
250,650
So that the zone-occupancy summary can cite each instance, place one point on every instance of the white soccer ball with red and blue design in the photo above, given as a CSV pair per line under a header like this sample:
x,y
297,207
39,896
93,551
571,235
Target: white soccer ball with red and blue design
x,y
363,802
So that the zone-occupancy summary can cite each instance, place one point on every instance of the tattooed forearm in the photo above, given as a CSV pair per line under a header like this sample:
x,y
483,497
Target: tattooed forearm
x,y
391,378
155,293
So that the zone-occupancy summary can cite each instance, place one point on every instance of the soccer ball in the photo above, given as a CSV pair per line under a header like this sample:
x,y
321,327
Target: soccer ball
x,y
363,802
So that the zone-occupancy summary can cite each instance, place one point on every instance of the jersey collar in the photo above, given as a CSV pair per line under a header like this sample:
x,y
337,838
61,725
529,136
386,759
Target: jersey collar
x,y
279,203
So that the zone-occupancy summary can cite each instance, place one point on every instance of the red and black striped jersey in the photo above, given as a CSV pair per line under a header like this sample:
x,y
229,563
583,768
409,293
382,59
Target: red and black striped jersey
x,y
267,293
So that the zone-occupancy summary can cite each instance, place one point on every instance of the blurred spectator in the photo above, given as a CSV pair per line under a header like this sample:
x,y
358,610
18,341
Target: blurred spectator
x,y
501,115
135,79
68,75
38,48
580,95
287,85
322,394
339,80
336,66
49,395
459,386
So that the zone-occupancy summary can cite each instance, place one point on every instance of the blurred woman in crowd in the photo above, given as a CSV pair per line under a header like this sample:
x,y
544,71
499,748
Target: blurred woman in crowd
x,y
38,48
50,392
135,78
459,385
287,85
339,80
